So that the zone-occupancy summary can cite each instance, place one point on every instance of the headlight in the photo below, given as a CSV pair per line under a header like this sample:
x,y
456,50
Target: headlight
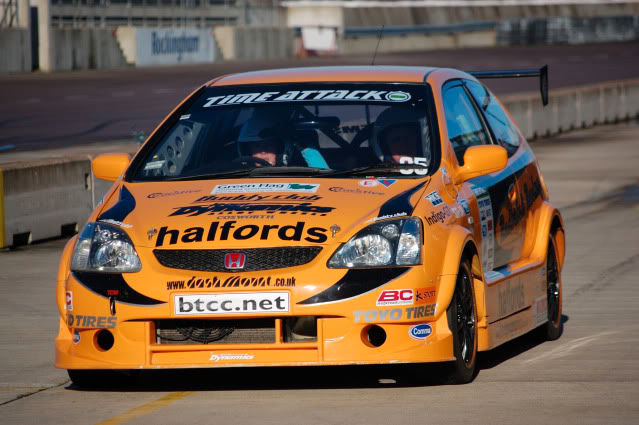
x,y
104,248
389,243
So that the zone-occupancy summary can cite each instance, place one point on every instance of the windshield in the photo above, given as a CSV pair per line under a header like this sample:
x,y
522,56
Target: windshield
x,y
298,129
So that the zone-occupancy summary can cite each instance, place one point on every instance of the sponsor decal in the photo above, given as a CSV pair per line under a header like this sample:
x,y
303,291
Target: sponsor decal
x,y
395,314
80,321
395,297
69,300
228,231
507,329
301,208
335,229
439,216
434,198
113,292
257,198
308,95
464,204
76,336
358,191
446,178
485,207
185,117
115,223
234,260
540,310
265,187
425,295
227,357
386,182
458,212
493,275
511,298
421,331
416,160
477,190
231,303
175,193
154,165
230,282
368,183
384,217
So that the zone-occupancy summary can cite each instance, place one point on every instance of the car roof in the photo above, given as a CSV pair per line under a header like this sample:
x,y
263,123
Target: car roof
x,y
377,73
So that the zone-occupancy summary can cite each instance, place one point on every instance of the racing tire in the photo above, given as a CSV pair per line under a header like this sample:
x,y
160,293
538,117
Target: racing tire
x,y
462,320
100,379
554,327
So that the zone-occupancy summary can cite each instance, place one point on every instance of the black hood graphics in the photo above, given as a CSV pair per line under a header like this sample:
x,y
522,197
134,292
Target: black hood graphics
x,y
121,209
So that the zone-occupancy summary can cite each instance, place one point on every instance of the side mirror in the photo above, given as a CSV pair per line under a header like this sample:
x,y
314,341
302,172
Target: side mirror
x,y
481,160
110,166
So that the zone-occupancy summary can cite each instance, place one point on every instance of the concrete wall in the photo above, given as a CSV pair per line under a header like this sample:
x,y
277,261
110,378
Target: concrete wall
x,y
75,49
255,43
15,50
48,198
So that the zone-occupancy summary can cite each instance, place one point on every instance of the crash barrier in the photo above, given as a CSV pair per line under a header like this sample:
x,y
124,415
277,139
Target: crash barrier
x,y
508,32
78,49
15,50
425,12
166,46
255,43
48,198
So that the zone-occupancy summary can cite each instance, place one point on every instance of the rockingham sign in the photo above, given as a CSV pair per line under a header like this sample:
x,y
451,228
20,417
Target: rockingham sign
x,y
166,46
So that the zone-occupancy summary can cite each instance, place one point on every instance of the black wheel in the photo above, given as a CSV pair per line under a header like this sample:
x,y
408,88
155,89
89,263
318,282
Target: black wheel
x,y
462,320
252,160
553,329
100,379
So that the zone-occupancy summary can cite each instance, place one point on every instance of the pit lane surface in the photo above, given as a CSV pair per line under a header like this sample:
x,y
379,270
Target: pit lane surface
x,y
589,376
47,111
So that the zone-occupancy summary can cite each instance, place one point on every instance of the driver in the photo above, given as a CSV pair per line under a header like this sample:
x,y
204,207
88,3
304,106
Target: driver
x,y
397,133
265,150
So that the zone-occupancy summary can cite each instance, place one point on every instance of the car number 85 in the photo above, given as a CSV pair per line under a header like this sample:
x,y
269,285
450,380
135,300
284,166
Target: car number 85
x,y
417,160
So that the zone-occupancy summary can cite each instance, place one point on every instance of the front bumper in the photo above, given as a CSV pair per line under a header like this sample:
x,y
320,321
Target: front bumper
x,y
342,332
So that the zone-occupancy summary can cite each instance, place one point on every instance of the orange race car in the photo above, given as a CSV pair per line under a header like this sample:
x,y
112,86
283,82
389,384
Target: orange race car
x,y
316,216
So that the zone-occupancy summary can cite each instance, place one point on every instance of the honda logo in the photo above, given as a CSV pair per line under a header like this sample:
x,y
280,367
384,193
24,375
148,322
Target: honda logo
x,y
234,260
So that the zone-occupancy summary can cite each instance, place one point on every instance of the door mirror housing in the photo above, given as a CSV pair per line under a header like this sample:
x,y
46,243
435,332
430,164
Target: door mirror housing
x,y
110,166
482,160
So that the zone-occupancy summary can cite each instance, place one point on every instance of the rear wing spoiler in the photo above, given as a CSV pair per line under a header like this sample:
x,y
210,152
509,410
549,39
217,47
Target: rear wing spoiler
x,y
542,73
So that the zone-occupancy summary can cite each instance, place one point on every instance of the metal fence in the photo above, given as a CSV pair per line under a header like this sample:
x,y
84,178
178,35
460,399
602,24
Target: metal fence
x,y
163,13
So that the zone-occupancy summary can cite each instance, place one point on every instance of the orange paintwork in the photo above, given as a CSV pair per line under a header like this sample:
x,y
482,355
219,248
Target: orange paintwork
x,y
504,299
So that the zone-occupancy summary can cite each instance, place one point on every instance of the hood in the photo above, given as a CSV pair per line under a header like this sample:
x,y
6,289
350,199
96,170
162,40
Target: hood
x,y
270,212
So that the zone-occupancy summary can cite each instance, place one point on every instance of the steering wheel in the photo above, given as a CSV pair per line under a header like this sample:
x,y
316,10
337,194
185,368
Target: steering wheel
x,y
254,160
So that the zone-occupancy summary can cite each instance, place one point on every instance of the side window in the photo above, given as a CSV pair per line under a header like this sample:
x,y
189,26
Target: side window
x,y
504,130
465,129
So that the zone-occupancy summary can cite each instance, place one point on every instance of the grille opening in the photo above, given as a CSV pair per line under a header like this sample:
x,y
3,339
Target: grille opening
x,y
104,339
212,260
300,329
203,331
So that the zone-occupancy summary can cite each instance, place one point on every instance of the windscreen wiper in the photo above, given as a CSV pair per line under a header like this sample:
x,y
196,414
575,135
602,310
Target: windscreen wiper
x,y
236,173
259,171
383,166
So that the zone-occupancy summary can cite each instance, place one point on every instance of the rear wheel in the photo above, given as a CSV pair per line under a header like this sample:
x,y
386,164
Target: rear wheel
x,y
462,320
553,329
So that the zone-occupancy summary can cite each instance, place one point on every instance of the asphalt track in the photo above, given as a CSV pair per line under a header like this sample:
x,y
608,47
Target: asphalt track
x,y
49,111
589,376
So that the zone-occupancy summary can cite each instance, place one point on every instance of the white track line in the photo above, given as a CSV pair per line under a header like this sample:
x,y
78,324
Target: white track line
x,y
564,350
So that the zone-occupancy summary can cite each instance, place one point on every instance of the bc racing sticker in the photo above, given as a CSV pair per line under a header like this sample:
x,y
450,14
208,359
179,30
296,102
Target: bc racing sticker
x,y
434,198
308,95
395,297
488,235
420,331
265,187
69,300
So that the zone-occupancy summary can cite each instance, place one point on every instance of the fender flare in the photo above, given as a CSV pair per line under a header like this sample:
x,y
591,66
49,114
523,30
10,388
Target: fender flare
x,y
550,222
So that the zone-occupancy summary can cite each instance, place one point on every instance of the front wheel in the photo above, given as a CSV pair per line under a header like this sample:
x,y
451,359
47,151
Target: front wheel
x,y
462,320
553,329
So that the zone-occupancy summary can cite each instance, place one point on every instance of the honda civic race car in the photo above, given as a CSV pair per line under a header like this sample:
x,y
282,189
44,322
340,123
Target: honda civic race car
x,y
316,216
